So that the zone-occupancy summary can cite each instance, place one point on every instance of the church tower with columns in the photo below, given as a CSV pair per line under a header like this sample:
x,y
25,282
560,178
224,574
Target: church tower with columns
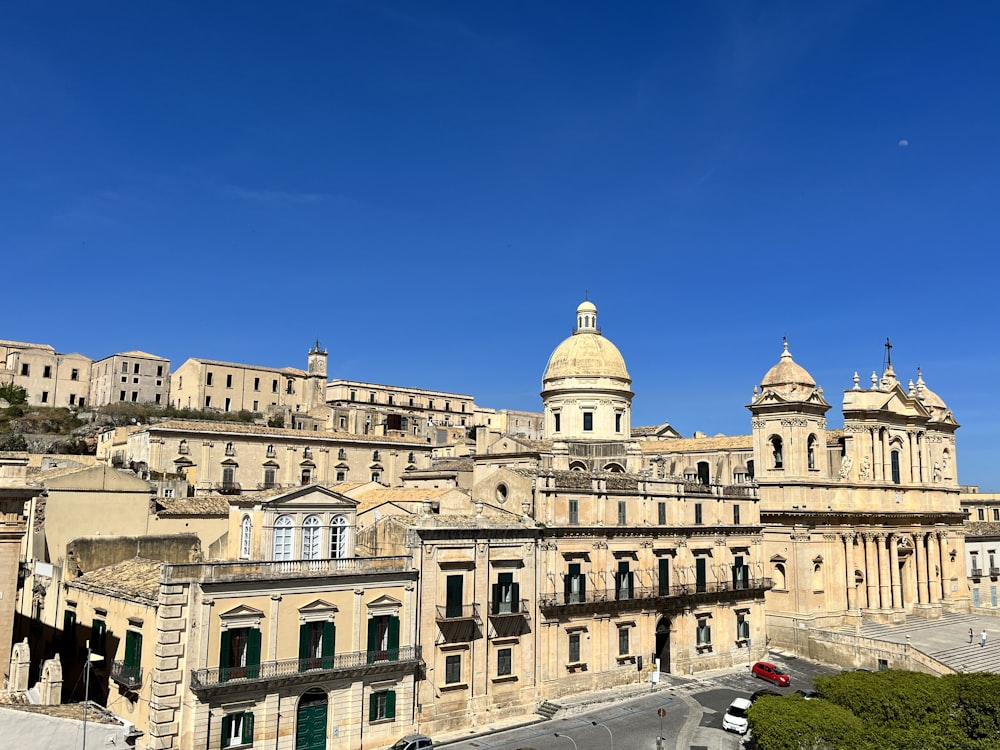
x,y
863,522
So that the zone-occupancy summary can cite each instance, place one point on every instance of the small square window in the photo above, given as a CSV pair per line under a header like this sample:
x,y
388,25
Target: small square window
x,y
504,662
47,371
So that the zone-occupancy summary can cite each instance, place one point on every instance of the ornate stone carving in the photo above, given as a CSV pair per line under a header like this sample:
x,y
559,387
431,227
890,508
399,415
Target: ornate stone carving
x,y
794,422
854,428
865,472
758,424
846,464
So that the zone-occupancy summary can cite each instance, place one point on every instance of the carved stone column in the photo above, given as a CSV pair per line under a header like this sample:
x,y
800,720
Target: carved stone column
x,y
933,569
852,586
885,595
894,572
920,550
871,570
945,564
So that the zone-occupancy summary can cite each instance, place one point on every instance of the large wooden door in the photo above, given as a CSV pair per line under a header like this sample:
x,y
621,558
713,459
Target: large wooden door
x,y
310,724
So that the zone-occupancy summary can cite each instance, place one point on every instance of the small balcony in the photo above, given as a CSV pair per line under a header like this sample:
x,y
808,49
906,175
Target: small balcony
x,y
976,572
129,676
290,671
457,612
994,572
228,488
509,609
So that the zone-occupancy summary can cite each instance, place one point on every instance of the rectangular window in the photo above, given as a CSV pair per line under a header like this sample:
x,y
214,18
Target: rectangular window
x,y
228,403
239,654
996,514
74,374
574,648
382,705
430,403
575,584
697,514
135,396
452,669
45,397
237,729
742,625
69,634
72,399
981,513
159,371
506,595
574,511
121,395
741,573
135,368
701,575
661,514
208,401
622,513
556,418
588,421
208,379
623,581
354,395
383,638
274,386
133,651
125,367
156,398
97,632
505,662
704,633
229,381
736,514
316,645
623,642
256,405
135,380
391,400
341,476
618,421
256,384
453,596
47,371
371,398
663,577
289,387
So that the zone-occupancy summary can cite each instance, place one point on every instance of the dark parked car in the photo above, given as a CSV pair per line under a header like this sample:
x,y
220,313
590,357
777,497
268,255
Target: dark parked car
x,y
414,742
762,692
809,694
765,670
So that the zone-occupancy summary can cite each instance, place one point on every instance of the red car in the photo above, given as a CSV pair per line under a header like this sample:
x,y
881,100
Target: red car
x,y
764,670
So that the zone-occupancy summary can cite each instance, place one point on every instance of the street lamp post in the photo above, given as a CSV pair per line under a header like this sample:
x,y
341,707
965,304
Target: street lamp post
x,y
599,724
91,657
566,737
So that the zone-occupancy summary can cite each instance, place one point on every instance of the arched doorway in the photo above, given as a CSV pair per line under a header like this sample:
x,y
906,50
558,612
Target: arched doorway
x,y
310,721
662,651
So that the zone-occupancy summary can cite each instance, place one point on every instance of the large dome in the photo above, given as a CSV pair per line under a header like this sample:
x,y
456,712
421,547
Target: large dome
x,y
586,353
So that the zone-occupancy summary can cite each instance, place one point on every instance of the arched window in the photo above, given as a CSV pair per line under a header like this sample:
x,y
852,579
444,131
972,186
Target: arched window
x,y
306,475
704,474
776,455
894,461
811,452
246,534
817,577
338,537
283,536
310,538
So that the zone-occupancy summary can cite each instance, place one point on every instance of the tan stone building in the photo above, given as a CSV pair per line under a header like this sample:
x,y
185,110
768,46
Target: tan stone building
x,y
982,546
232,458
231,386
48,377
15,494
132,377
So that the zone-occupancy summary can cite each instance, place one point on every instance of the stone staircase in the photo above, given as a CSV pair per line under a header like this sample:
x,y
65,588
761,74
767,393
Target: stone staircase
x,y
945,639
548,709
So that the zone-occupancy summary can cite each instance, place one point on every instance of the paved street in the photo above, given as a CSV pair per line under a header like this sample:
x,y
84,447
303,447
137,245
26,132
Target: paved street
x,y
692,718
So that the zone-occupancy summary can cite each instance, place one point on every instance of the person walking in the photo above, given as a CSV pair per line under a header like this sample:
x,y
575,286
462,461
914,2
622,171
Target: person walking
x,y
970,635
982,639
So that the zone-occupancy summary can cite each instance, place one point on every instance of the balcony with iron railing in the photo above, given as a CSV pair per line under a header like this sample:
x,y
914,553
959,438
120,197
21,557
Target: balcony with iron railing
x,y
994,572
356,663
129,676
457,612
976,572
228,488
633,597
517,608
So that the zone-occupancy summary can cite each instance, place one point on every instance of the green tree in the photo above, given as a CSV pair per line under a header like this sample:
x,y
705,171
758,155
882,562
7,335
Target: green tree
x,y
13,441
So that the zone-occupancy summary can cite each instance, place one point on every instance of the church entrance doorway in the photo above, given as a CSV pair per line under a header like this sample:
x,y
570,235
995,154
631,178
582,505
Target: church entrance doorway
x,y
662,651
310,721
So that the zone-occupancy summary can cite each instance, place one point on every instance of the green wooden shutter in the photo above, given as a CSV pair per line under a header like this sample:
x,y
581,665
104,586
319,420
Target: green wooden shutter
x,y
390,704
329,643
373,707
248,728
664,571
495,598
68,634
372,639
253,653
515,598
303,646
98,628
393,638
225,655
227,727
133,648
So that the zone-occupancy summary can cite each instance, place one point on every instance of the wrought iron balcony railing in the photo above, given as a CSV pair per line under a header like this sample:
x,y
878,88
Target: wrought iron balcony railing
x,y
128,676
509,609
639,593
976,572
289,668
455,612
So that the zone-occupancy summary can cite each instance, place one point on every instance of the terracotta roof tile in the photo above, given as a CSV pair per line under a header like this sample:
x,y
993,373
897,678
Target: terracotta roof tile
x,y
137,578
211,505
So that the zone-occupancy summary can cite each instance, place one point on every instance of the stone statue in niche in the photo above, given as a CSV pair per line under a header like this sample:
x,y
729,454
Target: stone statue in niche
x,y
866,468
846,464
937,471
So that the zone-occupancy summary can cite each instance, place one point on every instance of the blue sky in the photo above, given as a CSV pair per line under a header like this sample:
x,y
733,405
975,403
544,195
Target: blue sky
x,y
429,189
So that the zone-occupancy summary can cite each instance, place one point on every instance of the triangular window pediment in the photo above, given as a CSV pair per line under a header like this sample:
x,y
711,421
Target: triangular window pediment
x,y
241,617
383,605
317,610
778,559
313,496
